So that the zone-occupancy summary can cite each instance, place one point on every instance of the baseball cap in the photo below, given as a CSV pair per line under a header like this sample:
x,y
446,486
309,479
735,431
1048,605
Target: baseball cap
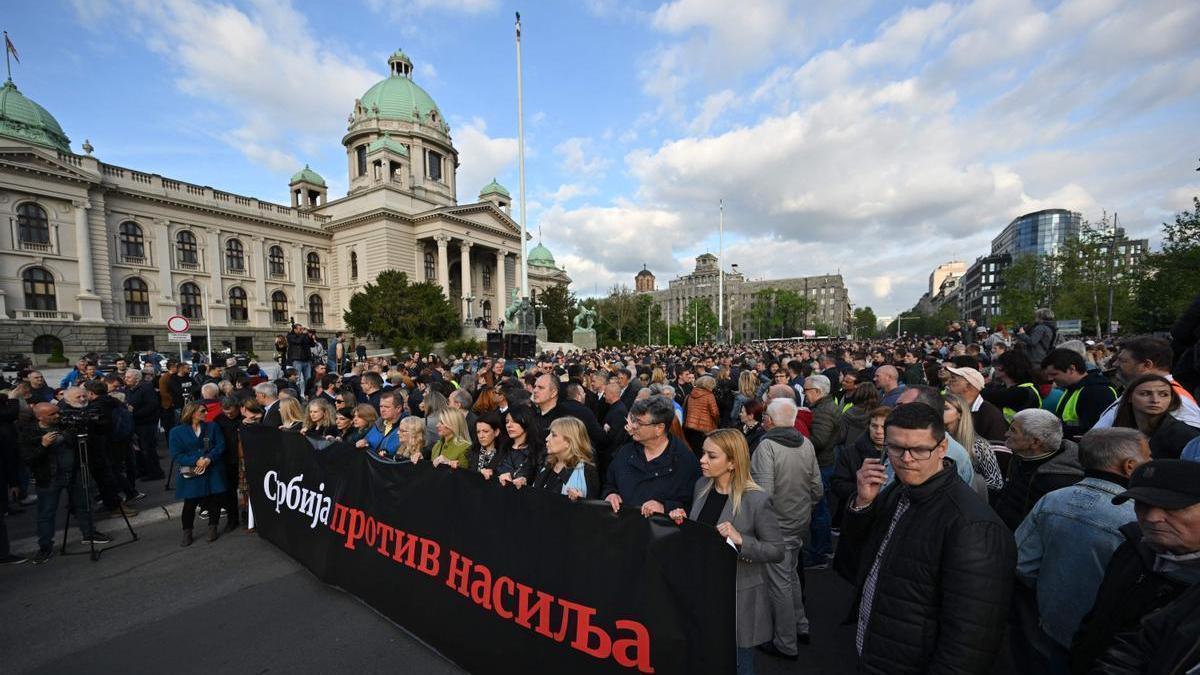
x,y
1166,483
972,376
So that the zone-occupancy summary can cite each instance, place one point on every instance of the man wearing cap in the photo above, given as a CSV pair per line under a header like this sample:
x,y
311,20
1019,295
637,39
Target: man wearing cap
x,y
1159,560
1065,543
988,420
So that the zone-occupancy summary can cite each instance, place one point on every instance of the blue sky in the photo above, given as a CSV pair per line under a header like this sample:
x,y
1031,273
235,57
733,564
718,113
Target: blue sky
x,y
871,138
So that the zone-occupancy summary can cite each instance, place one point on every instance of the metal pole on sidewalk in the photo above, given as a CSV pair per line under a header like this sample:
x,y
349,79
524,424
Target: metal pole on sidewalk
x,y
521,167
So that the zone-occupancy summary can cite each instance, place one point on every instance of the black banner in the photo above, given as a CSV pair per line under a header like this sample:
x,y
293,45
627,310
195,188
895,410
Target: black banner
x,y
499,581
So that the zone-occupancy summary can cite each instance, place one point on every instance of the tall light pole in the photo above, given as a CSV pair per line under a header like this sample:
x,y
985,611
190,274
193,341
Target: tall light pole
x,y
649,305
721,273
521,167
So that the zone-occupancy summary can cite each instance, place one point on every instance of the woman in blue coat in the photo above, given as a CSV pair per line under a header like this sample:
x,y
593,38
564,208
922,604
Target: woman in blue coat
x,y
197,448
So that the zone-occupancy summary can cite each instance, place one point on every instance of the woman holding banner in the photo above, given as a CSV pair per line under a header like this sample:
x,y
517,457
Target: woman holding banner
x,y
727,499
524,455
568,468
490,444
453,439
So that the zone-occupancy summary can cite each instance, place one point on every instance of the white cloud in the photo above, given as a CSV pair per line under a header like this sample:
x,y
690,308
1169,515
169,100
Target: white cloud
x,y
482,157
400,10
711,110
568,191
577,157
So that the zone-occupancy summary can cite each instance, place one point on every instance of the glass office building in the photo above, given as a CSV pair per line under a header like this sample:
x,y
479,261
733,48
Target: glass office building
x,y
1040,232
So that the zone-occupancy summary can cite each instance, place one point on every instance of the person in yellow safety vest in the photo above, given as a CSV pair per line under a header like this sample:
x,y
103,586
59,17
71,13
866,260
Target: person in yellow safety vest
x,y
1012,388
1085,394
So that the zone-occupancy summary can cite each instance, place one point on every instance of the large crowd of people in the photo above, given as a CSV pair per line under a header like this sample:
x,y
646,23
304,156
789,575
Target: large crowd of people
x,y
983,490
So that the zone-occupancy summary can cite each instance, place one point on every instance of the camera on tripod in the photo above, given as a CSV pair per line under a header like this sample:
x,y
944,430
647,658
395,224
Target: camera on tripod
x,y
79,421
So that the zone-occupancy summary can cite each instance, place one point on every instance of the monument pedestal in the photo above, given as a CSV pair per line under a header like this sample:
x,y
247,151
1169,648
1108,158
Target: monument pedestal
x,y
584,338
542,335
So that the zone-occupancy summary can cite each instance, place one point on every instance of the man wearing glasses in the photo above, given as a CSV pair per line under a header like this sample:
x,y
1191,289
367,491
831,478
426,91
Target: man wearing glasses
x,y
933,564
656,472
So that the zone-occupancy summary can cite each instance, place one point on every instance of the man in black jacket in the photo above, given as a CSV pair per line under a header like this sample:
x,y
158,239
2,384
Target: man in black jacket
x,y
1086,393
299,353
1043,461
1148,570
934,565
142,401
614,425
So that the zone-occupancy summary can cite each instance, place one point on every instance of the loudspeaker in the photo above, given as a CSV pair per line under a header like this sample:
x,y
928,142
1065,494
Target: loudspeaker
x,y
520,346
495,344
528,346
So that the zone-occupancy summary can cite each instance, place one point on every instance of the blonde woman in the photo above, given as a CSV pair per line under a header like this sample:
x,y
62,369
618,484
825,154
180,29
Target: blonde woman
x,y
727,499
568,468
453,439
320,421
291,413
747,386
412,440
957,416
658,376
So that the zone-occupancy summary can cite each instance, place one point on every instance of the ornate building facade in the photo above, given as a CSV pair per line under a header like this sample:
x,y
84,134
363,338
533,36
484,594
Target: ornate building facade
x,y
98,256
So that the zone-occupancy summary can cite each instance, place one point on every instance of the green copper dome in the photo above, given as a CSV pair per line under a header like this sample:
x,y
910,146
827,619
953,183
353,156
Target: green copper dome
x,y
540,256
493,188
307,174
25,120
397,97
387,142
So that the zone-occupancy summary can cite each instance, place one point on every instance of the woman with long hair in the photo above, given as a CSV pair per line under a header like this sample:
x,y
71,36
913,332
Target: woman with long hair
x,y
1147,406
747,385
524,455
412,440
320,421
431,407
343,422
956,414
453,439
252,412
363,419
568,468
488,401
291,413
198,449
490,443
726,498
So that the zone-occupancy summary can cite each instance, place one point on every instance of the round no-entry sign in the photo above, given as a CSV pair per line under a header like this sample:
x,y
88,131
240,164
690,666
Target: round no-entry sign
x,y
178,324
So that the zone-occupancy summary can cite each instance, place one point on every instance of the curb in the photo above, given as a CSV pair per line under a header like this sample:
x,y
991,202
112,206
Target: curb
x,y
115,526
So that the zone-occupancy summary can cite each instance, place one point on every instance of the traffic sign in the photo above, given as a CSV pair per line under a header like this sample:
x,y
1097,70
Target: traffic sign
x,y
179,337
178,324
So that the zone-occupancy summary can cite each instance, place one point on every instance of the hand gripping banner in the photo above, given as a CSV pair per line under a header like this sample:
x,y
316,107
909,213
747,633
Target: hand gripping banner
x,y
498,580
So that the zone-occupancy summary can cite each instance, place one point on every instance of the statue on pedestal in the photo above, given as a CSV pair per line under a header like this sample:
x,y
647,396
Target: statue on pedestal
x,y
584,336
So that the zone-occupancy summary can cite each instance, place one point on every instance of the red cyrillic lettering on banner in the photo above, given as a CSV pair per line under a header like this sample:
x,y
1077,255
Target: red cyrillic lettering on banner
x,y
430,550
499,608
541,608
384,534
639,645
583,629
354,531
481,588
338,522
369,531
406,548
456,576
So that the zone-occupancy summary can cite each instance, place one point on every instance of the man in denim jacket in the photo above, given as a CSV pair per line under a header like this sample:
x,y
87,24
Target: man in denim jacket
x,y
1065,543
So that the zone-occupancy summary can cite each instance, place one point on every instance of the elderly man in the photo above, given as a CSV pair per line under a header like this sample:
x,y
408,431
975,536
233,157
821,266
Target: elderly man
x,y
267,395
989,422
142,401
1065,543
656,472
1150,356
1086,393
1043,461
887,378
785,466
210,398
51,454
39,391
1159,560
826,416
933,564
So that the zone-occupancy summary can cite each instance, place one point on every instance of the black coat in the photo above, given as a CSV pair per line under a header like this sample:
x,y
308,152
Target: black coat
x,y
670,478
844,482
271,417
989,422
144,401
1165,642
1028,481
547,479
299,346
944,586
581,412
1170,437
1130,590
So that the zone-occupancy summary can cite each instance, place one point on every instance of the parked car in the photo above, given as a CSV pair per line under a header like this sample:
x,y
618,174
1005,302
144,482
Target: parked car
x,y
107,362
14,361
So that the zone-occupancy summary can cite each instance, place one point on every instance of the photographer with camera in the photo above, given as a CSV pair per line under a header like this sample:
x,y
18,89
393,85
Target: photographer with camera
x,y
80,415
49,447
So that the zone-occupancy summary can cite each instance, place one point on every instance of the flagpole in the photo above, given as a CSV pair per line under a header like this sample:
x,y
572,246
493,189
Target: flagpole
x,y
7,63
521,167
721,274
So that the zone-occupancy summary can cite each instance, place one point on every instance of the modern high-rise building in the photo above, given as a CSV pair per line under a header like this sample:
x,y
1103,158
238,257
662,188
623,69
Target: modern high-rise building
x,y
979,293
955,268
1040,233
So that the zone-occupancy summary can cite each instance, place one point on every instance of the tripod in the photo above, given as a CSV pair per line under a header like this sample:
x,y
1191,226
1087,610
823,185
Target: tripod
x,y
83,472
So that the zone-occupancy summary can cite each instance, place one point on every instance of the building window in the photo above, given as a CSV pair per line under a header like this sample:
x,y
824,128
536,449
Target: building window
x,y
433,165
133,243
487,276
235,256
237,305
314,266
189,301
137,297
430,272
185,246
316,310
353,265
487,311
39,289
279,307
32,224
360,156
275,261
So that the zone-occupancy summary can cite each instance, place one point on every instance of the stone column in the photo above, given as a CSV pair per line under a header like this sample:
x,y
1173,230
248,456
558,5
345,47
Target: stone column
x,y
89,303
299,274
259,313
501,289
215,268
464,249
443,264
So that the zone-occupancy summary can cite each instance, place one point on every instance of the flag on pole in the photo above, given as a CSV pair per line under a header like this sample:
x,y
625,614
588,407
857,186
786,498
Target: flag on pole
x,y
12,49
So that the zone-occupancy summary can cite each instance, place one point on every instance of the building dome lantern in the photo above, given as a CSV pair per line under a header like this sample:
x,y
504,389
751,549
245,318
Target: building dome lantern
x,y
308,189
25,120
497,194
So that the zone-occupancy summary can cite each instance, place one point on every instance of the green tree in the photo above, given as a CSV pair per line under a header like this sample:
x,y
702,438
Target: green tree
x,y
864,323
1027,284
699,322
619,313
558,311
1169,281
401,314
762,313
